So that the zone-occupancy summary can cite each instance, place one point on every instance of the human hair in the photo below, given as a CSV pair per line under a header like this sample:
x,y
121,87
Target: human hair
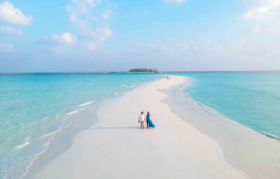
x,y
148,113
142,112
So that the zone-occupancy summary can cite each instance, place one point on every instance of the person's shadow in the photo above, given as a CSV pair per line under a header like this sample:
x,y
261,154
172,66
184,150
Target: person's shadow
x,y
101,128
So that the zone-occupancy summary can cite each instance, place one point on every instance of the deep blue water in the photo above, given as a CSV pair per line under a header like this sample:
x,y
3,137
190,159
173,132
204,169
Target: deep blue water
x,y
250,98
34,107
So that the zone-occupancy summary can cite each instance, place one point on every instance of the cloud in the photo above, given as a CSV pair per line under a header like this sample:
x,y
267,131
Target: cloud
x,y
184,46
103,33
13,15
65,39
219,48
159,46
107,14
86,31
257,28
259,9
81,6
6,48
84,19
175,1
10,31
91,46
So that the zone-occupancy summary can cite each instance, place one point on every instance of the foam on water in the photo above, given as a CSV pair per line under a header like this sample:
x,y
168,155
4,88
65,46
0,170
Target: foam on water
x,y
87,103
26,143
74,112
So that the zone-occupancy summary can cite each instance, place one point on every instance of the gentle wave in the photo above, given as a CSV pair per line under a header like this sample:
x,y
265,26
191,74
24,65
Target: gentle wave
x,y
52,133
270,135
74,112
87,103
45,146
26,143
210,110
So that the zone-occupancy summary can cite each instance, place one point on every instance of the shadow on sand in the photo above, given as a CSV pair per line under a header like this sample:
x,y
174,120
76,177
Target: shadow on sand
x,y
100,128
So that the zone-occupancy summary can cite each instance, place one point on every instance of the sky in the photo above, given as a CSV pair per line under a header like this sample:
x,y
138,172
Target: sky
x,y
117,35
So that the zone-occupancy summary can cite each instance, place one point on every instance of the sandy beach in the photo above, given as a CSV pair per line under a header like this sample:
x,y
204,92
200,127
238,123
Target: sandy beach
x,y
188,142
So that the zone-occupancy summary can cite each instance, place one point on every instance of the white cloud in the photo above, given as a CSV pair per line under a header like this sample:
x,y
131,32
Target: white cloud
x,y
91,46
184,46
103,33
175,1
219,48
258,9
93,18
13,15
159,46
84,23
107,14
6,47
10,31
65,38
81,6
243,41
208,42
152,45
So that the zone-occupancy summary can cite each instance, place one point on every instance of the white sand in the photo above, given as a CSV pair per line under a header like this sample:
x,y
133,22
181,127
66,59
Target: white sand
x,y
116,147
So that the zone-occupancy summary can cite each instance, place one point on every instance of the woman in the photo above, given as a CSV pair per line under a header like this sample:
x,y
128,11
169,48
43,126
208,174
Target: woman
x,y
149,121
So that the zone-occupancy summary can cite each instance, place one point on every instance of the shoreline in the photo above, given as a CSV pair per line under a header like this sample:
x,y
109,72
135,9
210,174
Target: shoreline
x,y
175,100
51,152
74,115
221,116
240,137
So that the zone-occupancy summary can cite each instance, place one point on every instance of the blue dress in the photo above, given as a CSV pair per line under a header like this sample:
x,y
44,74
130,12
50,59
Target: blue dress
x,y
150,122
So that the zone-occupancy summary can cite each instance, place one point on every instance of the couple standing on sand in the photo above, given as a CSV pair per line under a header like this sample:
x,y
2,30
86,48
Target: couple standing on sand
x,y
142,118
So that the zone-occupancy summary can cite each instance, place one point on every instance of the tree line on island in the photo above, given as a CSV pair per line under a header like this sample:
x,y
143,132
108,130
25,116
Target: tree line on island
x,y
143,70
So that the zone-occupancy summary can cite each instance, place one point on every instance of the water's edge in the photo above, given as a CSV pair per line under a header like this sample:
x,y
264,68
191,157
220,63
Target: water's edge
x,y
243,147
220,115
62,140
40,161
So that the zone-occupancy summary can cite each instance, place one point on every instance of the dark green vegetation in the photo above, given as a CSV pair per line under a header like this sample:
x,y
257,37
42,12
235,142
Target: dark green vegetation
x,y
144,70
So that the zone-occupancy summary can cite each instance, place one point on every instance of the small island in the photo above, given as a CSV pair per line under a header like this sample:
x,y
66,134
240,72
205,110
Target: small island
x,y
144,70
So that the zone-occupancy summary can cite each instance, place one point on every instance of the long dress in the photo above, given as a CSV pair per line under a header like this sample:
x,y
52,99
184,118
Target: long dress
x,y
150,122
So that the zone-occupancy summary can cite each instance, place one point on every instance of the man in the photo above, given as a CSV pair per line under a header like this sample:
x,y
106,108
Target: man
x,y
142,119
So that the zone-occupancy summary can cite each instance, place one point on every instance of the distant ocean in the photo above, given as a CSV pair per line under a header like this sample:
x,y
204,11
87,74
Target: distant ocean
x,y
33,107
250,98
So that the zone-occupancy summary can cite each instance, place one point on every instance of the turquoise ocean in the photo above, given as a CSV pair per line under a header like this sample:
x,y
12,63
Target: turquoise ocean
x,y
34,107
250,98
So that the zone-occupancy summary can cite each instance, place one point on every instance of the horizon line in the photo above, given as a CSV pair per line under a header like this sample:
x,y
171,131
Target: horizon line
x,y
106,72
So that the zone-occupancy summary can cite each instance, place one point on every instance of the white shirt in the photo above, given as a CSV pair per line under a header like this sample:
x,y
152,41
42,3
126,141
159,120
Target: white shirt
x,y
142,118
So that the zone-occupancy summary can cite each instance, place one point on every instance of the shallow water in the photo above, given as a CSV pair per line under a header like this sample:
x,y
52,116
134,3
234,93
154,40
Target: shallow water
x,y
250,98
35,106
